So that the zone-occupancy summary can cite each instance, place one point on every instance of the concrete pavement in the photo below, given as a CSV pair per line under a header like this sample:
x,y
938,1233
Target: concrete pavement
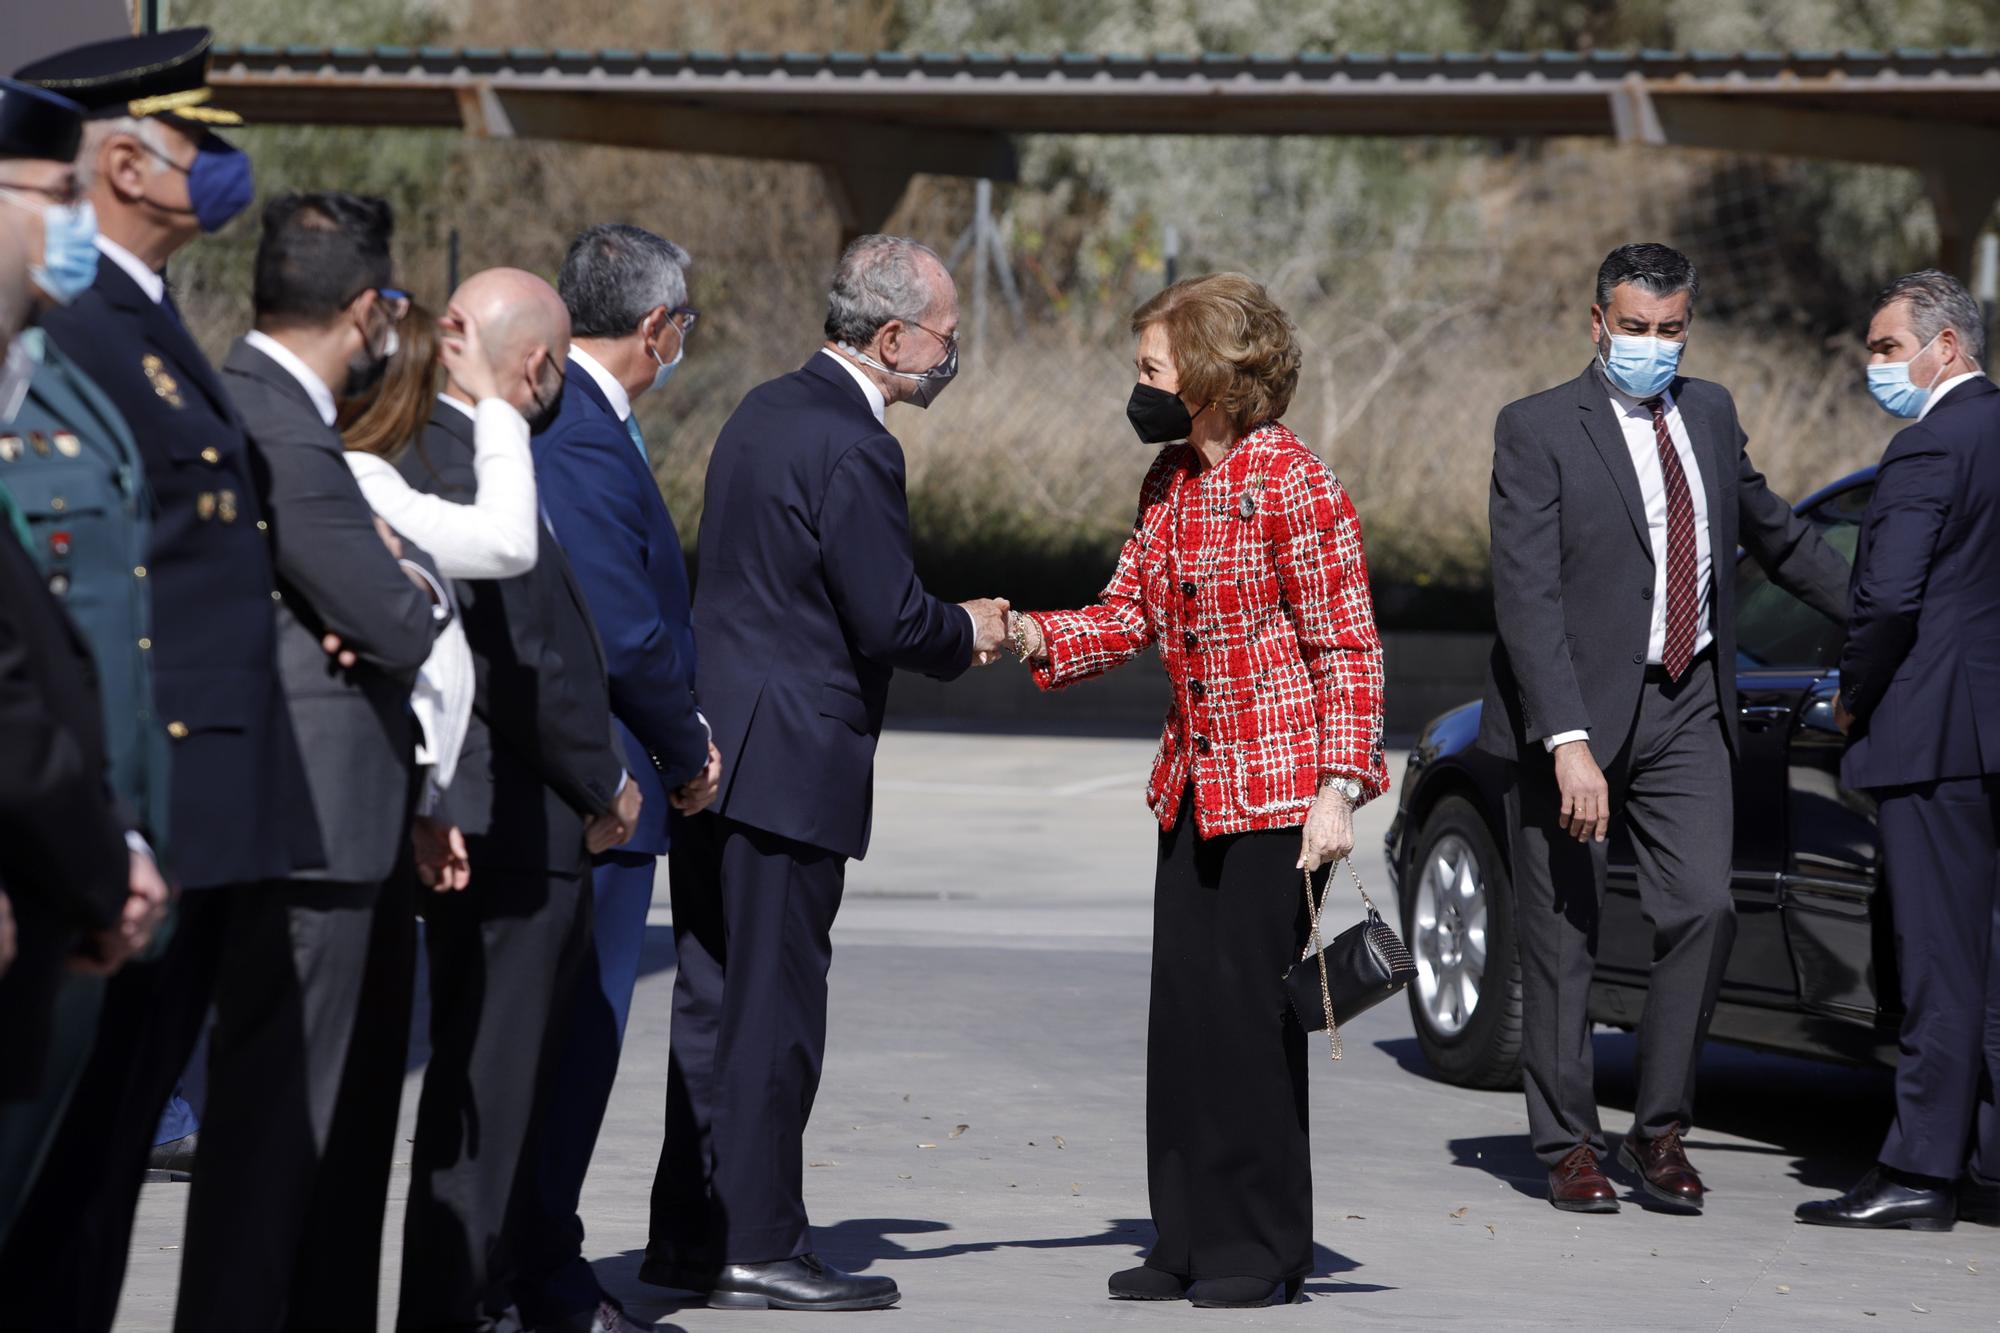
x,y
980,1133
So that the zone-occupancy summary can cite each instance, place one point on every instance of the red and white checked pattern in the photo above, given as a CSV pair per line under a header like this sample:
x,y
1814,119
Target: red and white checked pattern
x,y
1274,660
1682,593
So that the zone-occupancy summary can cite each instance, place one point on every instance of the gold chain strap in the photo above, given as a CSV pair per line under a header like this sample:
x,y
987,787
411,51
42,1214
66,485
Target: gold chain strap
x,y
1319,952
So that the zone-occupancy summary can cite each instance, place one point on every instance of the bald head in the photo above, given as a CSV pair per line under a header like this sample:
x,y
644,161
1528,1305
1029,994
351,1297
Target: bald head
x,y
524,331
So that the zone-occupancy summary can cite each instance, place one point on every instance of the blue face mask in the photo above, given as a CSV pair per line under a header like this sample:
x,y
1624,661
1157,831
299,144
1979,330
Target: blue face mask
x,y
1642,366
666,369
220,184
69,248
1895,392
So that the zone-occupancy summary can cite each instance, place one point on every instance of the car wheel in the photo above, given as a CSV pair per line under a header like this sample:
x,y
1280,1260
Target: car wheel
x,y
1458,917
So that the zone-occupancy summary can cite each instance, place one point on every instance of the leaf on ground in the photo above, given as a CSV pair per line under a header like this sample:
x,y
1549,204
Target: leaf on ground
x,y
822,1163
1059,1141
1972,1269
1784,1290
906,1096
1919,1308
1356,1217
927,1145
958,1130
1461,1212
902,1175
1075,1187
1491,1232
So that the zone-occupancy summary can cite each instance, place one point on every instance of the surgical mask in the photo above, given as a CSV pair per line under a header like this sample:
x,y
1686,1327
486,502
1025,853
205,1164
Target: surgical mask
x,y
1160,417
666,368
220,184
16,371
930,383
69,248
1642,366
1895,392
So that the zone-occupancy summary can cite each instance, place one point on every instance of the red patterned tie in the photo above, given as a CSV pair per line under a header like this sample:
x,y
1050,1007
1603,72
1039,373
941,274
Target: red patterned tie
x,y
1682,594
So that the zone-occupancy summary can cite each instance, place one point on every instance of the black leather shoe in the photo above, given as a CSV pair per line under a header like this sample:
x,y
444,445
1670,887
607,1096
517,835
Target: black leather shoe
x,y
678,1276
803,1283
1883,1203
606,1318
173,1160
1242,1293
1148,1284
1978,1202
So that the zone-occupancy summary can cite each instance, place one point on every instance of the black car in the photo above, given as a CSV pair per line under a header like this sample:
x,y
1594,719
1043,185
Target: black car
x,y
1813,972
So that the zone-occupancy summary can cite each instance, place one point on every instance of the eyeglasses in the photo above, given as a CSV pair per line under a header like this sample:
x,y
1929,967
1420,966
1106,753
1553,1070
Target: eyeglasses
x,y
64,197
395,303
684,318
950,344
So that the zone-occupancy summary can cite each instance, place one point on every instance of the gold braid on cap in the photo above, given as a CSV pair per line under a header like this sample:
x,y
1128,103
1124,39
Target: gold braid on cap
x,y
188,105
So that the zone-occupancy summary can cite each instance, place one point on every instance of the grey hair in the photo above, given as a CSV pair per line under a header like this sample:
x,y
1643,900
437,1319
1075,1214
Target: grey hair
x,y
615,274
1938,302
880,278
146,130
1649,266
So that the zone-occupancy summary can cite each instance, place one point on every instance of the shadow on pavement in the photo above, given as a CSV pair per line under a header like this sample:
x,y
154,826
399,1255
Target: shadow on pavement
x,y
1829,1119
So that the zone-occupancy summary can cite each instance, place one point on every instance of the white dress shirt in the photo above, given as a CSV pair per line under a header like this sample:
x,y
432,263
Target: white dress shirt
x,y
1636,421
151,283
308,378
1937,394
621,402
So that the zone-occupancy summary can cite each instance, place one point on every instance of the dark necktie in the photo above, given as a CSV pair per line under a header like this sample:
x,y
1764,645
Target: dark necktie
x,y
1682,594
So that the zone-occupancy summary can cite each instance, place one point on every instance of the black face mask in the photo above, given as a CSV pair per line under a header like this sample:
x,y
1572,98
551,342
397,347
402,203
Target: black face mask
x,y
1159,417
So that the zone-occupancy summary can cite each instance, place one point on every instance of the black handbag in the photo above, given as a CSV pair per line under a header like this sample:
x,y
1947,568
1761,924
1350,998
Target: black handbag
x,y
1363,966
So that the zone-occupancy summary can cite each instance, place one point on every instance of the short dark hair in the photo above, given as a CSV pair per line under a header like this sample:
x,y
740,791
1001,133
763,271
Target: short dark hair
x,y
1650,266
615,274
1938,302
319,251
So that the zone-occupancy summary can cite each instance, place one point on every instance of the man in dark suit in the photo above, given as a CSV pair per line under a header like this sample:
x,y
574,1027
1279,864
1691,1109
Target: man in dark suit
x,y
626,293
237,811
540,784
312,1005
1619,500
1920,699
809,603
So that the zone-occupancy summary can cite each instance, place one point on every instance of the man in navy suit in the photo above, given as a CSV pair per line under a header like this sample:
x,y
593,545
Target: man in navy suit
x,y
809,602
1920,700
626,292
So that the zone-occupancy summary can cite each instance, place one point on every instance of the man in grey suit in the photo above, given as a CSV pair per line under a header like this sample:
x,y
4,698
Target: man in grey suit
x,y
1618,501
312,1002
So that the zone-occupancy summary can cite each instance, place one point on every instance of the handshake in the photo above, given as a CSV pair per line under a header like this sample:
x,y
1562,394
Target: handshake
x,y
996,627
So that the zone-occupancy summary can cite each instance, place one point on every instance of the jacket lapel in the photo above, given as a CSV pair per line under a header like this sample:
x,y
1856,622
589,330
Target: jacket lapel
x,y
1711,451
1593,403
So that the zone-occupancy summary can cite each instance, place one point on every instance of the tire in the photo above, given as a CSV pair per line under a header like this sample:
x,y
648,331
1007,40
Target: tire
x,y
1475,1044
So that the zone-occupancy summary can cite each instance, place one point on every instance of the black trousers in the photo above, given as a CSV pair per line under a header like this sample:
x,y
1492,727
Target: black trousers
x,y
753,915
1941,846
1671,789
501,955
1228,1161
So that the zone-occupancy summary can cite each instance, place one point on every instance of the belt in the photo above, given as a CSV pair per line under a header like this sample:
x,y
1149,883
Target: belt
x,y
1657,674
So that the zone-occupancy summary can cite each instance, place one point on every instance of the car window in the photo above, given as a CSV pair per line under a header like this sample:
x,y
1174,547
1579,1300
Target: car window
x,y
1775,631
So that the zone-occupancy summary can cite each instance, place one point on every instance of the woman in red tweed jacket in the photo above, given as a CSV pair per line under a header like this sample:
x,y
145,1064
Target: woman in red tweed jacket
x,y
1245,570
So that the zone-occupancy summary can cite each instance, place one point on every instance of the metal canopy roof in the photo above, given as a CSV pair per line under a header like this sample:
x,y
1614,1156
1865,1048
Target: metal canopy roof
x,y
871,120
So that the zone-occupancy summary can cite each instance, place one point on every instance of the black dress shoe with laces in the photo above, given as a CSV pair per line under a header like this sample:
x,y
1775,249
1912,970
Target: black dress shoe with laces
x,y
803,1283
1148,1284
1885,1201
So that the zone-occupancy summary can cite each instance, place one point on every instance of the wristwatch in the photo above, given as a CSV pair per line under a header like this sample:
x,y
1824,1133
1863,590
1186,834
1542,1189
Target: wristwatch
x,y
1347,787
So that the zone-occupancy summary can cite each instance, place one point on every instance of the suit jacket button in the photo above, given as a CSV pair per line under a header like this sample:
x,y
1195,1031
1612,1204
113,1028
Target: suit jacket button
x,y
1639,658
1645,594
1198,690
211,455
1187,588
1189,641
178,730
1201,744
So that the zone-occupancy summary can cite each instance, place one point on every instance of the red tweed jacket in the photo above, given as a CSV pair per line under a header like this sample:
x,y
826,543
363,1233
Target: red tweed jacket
x,y
1251,580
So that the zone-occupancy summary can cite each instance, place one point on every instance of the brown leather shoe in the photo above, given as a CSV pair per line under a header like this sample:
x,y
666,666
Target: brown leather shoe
x,y
1663,1170
1578,1185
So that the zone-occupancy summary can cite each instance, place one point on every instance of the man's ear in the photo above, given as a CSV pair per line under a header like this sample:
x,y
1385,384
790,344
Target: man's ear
x,y
122,165
360,308
650,323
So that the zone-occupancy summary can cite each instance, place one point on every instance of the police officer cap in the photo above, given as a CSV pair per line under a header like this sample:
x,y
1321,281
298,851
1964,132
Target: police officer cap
x,y
156,74
37,123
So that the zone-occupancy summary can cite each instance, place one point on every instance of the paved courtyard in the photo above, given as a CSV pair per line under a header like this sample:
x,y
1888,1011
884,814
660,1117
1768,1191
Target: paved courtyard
x,y
980,1132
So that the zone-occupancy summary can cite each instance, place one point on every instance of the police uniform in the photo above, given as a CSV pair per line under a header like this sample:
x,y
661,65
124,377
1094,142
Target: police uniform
x,y
238,816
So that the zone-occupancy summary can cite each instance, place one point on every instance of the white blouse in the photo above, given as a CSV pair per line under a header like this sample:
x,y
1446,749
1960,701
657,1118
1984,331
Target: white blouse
x,y
497,536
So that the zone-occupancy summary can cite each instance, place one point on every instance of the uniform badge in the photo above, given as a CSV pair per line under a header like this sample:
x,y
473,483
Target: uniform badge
x,y
40,442
67,444
10,448
163,384
204,505
225,506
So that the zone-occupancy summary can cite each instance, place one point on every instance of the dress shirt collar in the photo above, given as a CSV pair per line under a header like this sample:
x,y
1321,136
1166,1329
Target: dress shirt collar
x,y
1636,407
621,402
466,408
151,283
876,402
309,380
1937,394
